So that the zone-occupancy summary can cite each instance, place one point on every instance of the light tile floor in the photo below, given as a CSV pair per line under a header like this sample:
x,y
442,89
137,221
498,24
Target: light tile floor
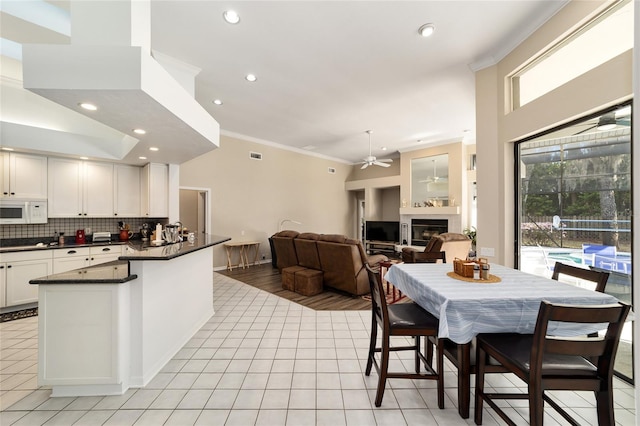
x,y
260,360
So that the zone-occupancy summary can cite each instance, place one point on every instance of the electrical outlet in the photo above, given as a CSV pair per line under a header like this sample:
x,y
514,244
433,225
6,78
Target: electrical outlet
x,y
487,251
241,232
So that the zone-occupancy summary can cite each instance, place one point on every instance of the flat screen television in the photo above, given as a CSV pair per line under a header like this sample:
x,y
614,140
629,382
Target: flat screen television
x,y
386,231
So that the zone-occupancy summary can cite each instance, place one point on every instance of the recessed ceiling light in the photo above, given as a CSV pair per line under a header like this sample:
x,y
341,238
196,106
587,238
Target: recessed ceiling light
x,y
251,77
426,30
140,131
217,101
231,16
88,106
154,148
142,158
384,148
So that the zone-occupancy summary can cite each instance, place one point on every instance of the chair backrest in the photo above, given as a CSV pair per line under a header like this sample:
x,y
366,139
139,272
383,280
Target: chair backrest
x,y
601,349
431,257
600,278
452,243
378,300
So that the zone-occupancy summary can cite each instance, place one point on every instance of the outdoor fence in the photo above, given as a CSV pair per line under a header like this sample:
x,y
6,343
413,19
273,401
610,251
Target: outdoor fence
x,y
572,229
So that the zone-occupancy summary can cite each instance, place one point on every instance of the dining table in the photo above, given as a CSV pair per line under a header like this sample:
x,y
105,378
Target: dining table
x,y
506,303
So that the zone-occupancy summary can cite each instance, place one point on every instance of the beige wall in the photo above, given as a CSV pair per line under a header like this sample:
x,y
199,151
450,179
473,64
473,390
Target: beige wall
x,y
497,128
249,198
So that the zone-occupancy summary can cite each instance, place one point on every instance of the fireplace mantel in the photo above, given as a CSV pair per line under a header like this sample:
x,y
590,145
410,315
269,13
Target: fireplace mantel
x,y
451,210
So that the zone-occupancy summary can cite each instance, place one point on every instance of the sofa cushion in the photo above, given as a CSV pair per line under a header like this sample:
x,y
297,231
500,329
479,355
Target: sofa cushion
x,y
285,248
307,250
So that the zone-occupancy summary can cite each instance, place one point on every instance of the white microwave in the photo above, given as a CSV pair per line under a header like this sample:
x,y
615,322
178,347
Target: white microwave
x,y
17,211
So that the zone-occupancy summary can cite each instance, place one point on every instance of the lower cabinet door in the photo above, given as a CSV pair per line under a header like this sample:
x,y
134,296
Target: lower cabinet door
x,y
19,291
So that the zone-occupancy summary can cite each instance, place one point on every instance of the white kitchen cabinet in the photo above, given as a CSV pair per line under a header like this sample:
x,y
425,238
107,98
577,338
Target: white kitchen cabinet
x,y
65,260
98,189
104,254
80,188
16,270
154,193
69,259
126,195
23,175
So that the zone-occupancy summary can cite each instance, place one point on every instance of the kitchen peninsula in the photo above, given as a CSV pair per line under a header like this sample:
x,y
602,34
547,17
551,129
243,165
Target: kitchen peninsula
x,y
106,328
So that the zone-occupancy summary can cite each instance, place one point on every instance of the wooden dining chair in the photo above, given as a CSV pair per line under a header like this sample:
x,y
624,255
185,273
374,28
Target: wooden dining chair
x,y
400,319
556,363
600,278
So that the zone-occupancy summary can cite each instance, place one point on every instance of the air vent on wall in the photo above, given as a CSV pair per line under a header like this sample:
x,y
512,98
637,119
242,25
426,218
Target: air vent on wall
x,y
255,155
331,170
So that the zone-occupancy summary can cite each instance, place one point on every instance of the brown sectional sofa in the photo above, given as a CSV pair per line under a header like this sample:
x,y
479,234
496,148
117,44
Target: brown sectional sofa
x,y
340,259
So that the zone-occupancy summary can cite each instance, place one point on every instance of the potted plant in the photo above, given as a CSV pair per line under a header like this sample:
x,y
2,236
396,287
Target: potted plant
x,y
471,233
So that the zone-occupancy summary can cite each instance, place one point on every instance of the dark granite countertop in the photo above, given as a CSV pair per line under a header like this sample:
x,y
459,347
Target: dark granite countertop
x,y
116,272
9,246
147,251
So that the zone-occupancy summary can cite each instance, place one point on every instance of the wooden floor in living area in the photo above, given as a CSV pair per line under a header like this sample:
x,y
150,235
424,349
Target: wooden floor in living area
x,y
267,278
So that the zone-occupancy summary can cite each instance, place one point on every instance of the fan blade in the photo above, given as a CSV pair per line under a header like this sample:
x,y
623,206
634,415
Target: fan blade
x,y
386,160
378,163
364,166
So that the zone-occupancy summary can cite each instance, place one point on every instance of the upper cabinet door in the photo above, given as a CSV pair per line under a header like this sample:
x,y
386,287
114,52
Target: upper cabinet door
x,y
126,198
23,176
65,187
78,188
98,189
155,190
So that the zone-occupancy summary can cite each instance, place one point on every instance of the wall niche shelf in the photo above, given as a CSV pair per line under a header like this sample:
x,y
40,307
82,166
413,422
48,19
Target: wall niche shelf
x,y
430,210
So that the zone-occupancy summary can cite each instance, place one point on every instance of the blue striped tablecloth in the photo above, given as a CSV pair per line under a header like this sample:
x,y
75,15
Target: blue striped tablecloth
x,y
510,306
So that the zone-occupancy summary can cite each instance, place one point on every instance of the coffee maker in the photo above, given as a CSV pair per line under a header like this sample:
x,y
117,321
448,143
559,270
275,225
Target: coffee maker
x,y
80,237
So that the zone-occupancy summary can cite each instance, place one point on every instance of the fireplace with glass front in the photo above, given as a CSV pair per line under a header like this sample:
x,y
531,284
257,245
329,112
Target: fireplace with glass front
x,y
423,229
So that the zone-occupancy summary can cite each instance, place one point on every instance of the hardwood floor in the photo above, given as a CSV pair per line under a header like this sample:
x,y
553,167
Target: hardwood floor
x,y
267,278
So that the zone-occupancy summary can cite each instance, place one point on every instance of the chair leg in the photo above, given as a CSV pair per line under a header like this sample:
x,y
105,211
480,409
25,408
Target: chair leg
x,y
464,379
440,361
416,353
384,367
536,404
604,404
428,350
372,345
481,358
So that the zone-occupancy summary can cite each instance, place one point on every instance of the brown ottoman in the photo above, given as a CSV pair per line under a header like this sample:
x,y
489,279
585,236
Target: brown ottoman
x,y
308,282
288,277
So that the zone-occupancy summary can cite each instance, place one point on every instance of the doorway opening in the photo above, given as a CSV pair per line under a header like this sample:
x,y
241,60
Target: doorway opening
x,y
195,209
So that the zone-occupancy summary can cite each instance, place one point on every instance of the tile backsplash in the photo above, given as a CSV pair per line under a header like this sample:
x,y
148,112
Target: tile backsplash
x,y
70,225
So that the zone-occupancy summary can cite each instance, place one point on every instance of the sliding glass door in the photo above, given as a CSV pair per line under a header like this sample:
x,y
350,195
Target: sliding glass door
x,y
574,205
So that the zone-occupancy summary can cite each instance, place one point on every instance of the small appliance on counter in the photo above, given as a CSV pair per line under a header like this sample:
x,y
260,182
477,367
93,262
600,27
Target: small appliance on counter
x,y
145,232
80,237
101,237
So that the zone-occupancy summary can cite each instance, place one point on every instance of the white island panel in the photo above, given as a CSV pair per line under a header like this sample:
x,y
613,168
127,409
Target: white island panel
x,y
84,339
173,300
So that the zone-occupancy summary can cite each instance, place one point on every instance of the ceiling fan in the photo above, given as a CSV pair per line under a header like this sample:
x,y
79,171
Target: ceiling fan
x,y
435,177
608,121
371,160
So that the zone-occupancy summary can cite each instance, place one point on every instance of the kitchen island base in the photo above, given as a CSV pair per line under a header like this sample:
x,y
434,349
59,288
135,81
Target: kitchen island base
x,y
101,337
